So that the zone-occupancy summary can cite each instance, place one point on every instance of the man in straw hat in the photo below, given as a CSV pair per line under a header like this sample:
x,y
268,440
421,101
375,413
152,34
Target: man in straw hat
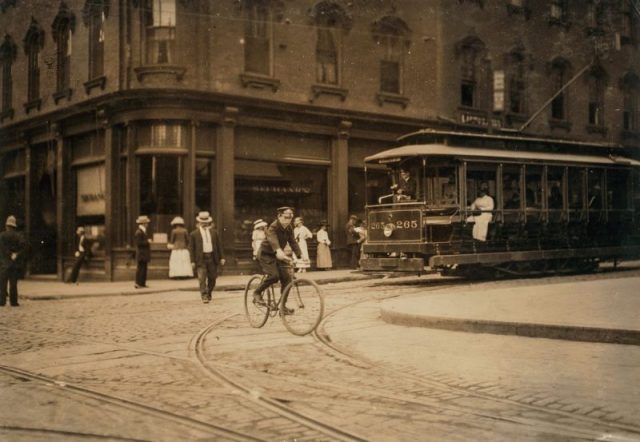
x,y
12,244
206,254
81,254
273,260
257,236
143,250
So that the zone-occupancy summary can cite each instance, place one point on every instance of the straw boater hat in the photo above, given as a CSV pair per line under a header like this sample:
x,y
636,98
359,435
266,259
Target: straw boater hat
x,y
259,223
177,220
143,219
80,229
11,221
204,217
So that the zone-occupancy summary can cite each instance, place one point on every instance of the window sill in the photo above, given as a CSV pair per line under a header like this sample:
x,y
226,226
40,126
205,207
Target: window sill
x,y
94,83
327,89
560,124
594,129
8,115
594,31
516,118
259,81
515,10
66,93
386,97
630,135
560,22
33,104
160,70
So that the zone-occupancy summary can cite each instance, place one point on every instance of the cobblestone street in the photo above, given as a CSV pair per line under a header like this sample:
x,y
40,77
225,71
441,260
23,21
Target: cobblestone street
x,y
164,366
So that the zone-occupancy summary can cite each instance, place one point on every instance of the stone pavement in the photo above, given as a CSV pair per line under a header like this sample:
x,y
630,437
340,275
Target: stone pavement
x,y
47,289
605,311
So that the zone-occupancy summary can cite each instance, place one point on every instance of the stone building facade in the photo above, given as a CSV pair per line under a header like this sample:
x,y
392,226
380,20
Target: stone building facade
x,y
115,108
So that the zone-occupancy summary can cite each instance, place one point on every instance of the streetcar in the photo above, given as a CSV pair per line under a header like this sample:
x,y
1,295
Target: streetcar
x,y
554,206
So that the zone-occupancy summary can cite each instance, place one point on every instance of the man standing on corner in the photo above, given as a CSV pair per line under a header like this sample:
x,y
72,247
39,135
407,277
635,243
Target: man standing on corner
x,y
206,255
81,254
11,245
353,241
143,251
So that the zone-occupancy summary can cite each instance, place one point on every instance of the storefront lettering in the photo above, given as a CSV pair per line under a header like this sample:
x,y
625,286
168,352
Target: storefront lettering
x,y
277,189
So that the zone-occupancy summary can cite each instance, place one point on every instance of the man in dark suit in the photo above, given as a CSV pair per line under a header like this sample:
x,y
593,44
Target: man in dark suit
x,y
353,243
406,188
12,244
81,254
143,250
206,254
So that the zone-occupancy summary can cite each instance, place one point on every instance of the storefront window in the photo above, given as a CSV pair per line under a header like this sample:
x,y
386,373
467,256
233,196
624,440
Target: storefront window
x,y
161,183
262,187
90,205
204,167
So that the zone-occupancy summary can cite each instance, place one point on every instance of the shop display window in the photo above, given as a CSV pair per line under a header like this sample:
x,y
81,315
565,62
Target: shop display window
x,y
262,187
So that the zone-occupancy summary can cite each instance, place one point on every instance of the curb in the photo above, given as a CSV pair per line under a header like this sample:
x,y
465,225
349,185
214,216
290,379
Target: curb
x,y
221,288
531,330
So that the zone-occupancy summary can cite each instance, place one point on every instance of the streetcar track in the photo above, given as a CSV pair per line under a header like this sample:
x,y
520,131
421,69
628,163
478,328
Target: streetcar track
x,y
323,338
19,429
147,409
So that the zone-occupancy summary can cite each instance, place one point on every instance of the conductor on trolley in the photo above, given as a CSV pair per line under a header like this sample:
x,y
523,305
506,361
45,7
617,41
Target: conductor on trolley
x,y
273,260
405,189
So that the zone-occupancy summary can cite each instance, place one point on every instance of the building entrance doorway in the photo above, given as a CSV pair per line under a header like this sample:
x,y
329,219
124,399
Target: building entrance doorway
x,y
43,223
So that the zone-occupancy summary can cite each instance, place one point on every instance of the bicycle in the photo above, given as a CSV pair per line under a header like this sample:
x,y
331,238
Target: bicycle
x,y
305,303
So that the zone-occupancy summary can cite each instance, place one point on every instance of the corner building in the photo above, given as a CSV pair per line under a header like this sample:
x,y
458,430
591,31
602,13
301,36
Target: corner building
x,y
111,109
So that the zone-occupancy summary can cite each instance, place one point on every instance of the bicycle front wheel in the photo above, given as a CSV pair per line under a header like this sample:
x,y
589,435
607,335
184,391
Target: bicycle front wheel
x,y
256,314
304,307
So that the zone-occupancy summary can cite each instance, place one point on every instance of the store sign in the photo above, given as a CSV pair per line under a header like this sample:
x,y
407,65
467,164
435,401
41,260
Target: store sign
x,y
91,184
276,189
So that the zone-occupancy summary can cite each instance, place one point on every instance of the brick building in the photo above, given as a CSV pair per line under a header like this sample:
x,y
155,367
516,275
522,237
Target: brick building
x,y
111,109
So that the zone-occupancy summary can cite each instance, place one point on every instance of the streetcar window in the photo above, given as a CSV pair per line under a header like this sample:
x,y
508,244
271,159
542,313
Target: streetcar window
x,y
576,188
511,186
554,187
533,187
441,185
407,183
478,176
594,183
617,189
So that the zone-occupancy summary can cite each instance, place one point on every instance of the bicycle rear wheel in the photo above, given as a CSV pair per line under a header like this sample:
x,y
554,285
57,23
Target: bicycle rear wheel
x,y
305,300
256,314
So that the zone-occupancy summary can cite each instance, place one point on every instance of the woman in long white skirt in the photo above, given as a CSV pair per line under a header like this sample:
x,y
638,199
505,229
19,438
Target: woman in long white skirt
x,y
180,261
302,234
323,257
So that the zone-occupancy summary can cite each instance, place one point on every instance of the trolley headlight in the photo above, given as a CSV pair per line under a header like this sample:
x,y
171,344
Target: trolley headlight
x,y
388,230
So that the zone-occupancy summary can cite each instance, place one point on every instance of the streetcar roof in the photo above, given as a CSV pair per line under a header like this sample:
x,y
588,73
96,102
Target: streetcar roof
x,y
419,150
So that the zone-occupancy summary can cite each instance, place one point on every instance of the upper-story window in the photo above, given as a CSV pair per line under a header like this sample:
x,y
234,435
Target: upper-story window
x,y
596,16
471,51
33,43
257,37
559,11
631,94
391,35
94,15
517,82
161,31
62,31
597,84
629,22
8,52
330,20
559,76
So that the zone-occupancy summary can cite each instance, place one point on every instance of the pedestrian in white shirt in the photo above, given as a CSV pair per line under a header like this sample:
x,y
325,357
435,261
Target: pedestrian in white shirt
x,y
302,234
323,258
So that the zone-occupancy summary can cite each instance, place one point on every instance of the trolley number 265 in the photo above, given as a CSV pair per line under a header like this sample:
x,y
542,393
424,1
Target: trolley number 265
x,y
400,224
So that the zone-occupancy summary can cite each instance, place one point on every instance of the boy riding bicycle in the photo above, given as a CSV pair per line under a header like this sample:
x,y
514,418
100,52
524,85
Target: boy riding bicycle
x,y
274,262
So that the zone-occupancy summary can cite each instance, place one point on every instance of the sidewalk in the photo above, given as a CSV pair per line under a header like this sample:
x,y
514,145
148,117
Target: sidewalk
x,y
39,289
605,311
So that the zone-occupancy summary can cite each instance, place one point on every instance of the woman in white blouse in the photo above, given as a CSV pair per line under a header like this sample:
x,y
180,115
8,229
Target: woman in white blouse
x,y
324,252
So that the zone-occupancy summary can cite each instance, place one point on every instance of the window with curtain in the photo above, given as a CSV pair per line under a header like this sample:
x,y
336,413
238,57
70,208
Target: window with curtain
x,y
257,38
631,98
95,12
390,34
161,31
34,42
8,53
559,73
63,56
596,97
517,83
470,55
330,19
